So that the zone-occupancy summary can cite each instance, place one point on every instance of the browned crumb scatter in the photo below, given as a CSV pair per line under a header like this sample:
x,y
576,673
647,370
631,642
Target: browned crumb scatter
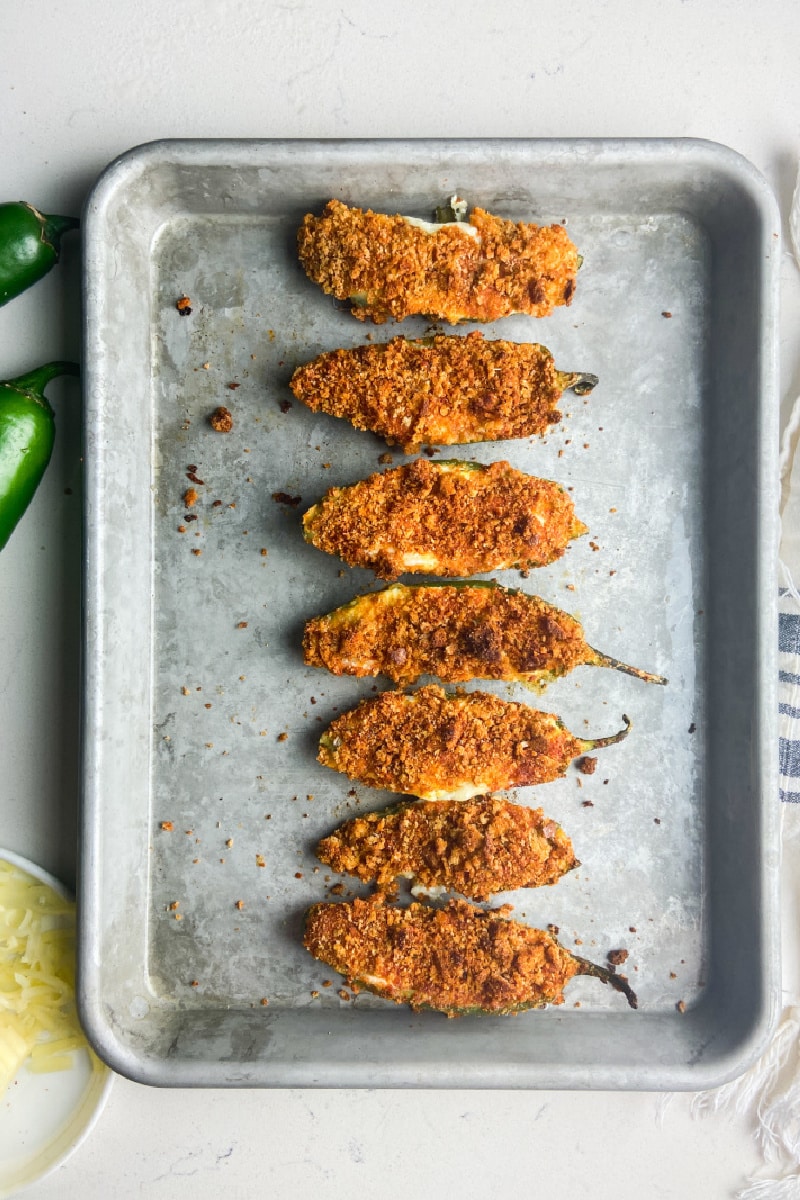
x,y
587,765
444,390
385,459
241,624
455,633
194,983
681,1006
239,904
233,386
444,518
190,497
388,267
197,553
191,475
285,498
221,420
475,847
314,994
617,957
336,889
260,860
441,747
264,1001
285,405
298,874
457,959
282,737
167,826
184,306
666,314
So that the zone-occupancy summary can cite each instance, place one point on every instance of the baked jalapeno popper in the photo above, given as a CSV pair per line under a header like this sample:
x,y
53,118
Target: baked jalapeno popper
x,y
451,747
456,631
475,847
444,518
440,389
453,270
458,960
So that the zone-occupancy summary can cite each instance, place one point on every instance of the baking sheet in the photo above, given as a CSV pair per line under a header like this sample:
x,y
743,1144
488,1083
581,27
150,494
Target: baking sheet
x,y
201,715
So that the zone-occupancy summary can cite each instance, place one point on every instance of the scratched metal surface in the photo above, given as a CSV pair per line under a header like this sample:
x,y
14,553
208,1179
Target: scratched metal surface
x,y
201,714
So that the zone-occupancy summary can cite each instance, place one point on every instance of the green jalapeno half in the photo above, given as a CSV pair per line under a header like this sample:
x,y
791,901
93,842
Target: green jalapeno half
x,y
27,433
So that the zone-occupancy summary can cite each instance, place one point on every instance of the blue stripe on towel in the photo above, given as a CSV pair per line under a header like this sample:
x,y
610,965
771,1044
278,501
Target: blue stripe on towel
x,y
789,758
789,633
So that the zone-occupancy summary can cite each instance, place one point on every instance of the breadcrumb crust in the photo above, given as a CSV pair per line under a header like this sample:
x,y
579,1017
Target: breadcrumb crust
x,y
475,847
454,632
455,960
442,390
445,518
389,267
439,746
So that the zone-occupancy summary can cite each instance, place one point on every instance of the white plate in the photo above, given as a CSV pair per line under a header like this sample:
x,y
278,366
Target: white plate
x,y
47,1116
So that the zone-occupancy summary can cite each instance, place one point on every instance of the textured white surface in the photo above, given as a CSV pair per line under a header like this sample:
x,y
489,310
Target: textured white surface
x,y
80,83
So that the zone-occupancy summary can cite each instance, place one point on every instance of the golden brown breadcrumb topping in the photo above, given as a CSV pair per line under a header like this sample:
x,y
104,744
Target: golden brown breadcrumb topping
x,y
454,632
445,518
389,267
439,746
475,847
455,960
444,390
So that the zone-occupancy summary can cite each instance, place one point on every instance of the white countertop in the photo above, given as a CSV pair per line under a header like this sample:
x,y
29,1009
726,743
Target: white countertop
x,y
80,84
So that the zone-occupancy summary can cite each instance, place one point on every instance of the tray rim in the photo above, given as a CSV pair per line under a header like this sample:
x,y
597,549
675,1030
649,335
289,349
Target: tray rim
x,y
215,152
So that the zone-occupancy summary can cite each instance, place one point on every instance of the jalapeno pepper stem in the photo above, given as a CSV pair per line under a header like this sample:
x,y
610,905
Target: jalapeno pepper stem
x,y
612,739
582,383
34,382
605,660
608,976
54,226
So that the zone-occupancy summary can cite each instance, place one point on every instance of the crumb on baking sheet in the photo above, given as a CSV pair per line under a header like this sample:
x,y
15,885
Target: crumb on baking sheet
x,y
167,826
282,737
184,306
587,765
617,957
285,498
221,420
190,497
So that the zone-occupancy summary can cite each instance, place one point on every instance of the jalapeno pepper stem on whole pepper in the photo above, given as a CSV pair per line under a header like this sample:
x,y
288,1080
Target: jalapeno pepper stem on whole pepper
x,y
30,245
27,433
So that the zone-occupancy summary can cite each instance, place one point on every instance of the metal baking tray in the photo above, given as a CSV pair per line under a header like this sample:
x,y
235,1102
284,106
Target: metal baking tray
x,y
193,669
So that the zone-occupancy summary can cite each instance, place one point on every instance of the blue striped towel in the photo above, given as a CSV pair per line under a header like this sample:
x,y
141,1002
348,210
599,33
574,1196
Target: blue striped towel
x,y
789,693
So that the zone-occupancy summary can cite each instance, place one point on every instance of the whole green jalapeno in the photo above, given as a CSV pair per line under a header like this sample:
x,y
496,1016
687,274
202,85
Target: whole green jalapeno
x,y
27,433
30,244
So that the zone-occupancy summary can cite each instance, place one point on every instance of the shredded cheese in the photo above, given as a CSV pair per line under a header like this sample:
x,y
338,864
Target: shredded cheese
x,y
38,1019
